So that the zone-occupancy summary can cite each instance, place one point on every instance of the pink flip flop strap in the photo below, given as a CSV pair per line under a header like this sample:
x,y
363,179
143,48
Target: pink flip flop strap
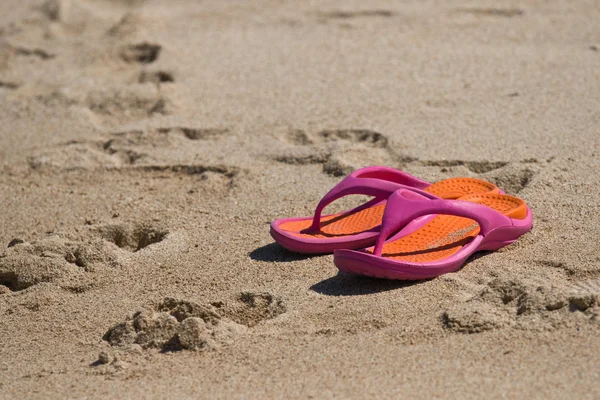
x,y
403,206
379,182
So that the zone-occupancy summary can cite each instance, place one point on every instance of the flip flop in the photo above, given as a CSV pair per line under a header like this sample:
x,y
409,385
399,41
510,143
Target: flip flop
x,y
454,230
359,227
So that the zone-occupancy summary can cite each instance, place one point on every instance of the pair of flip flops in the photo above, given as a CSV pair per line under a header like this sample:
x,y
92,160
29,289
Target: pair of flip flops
x,y
411,229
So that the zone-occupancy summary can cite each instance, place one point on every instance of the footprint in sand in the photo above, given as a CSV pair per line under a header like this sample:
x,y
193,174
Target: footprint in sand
x,y
142,142
251,308
125,146
360,136
340,151
85,156
513,178
88,154
129,103
115,103
132,238
134,147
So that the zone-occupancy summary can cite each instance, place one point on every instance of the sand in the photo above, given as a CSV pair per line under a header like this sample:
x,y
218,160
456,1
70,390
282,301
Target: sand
x,y
145,146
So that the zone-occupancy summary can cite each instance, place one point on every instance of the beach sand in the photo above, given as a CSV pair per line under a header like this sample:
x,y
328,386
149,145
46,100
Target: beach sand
x,y
145,146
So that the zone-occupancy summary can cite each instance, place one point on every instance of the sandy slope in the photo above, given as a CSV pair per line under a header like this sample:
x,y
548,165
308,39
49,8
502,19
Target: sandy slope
x,y
146,145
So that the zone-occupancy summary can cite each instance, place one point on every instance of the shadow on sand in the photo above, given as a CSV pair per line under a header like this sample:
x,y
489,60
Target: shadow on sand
x,y
273,252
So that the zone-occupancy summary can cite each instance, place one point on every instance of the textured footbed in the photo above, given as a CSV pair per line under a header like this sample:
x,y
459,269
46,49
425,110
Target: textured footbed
x,y
351,224
444,235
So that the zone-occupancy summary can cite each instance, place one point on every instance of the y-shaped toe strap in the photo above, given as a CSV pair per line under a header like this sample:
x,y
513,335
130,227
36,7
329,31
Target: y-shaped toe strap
x,y
366,181
403,206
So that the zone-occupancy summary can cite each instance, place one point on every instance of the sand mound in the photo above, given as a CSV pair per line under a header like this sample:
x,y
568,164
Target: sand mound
x,y
175,325
54,259
526,305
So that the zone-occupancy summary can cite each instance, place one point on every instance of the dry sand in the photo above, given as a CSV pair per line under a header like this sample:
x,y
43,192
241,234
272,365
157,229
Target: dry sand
x,y
146,145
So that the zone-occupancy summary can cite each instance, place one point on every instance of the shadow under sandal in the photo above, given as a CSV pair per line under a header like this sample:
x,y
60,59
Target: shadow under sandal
x,y
434,237
359,227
